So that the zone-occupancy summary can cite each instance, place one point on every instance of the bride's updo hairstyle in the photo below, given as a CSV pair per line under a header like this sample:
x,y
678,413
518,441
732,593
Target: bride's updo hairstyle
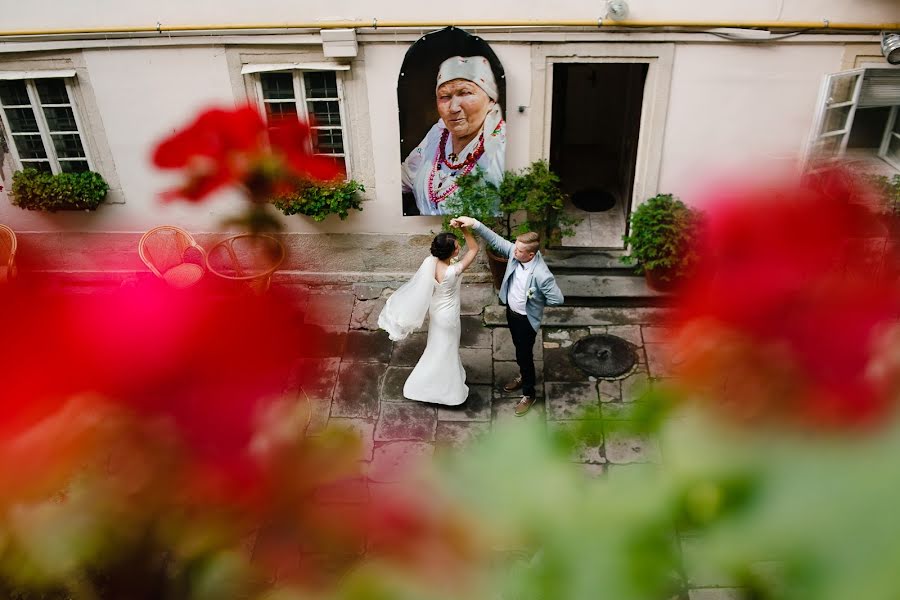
x,y
443,245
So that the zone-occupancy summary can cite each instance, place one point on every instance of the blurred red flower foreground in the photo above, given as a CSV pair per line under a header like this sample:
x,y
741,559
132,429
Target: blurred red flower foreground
x,y
152,423
208,364
224,147
793,317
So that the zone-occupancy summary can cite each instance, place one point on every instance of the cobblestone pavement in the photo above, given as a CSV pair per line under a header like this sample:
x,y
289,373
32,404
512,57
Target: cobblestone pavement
x,y
356,380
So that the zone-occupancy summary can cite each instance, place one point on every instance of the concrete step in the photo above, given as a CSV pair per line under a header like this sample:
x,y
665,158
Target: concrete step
x,y
609,290
562,260
612,286
584,316
595,277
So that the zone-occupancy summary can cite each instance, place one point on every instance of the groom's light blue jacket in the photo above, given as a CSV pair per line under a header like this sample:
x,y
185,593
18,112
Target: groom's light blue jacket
x,y
541,288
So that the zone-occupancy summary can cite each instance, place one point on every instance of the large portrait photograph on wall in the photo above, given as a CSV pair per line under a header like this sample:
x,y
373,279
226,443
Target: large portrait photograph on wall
x,y
451,92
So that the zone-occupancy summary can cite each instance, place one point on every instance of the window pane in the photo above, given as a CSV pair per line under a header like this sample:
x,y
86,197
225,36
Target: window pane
x,y
68,145
897,122
42,166
829,146
52,91
835,119
841,89
280,109
325,112
13,92
30,146
322,84
277,86
21,120
60,118
893,150
73,166
328,141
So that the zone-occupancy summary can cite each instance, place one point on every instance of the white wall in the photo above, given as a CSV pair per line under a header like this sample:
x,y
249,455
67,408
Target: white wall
x,y
739,108
730,105
141,96
145,94
47,14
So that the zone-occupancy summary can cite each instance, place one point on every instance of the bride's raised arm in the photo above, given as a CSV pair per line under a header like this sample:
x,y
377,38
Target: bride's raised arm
x,y
471,249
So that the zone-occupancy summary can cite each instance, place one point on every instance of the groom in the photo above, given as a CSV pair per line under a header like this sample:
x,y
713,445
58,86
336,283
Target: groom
x,y
528,286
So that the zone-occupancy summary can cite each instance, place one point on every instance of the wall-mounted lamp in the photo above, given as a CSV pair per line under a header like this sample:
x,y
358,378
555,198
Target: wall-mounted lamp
x,y
616,9
890,47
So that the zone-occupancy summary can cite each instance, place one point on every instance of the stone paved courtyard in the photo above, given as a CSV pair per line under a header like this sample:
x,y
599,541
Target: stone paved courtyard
x,y
356,380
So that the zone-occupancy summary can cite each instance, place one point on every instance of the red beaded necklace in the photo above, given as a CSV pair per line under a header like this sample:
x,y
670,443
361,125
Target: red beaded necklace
x,y
440,158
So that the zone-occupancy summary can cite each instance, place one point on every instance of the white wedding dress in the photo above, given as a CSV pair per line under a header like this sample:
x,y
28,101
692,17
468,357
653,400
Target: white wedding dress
x,y
439,376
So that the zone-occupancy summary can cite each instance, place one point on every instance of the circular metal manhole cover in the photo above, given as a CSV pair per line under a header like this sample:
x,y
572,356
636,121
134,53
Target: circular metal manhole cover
x,y
603,355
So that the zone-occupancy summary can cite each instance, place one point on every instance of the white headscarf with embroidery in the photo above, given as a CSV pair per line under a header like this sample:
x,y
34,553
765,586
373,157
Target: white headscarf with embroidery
x,y
476,69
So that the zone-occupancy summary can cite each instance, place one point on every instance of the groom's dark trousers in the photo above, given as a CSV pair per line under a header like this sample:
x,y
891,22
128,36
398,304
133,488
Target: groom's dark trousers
x,y
523,336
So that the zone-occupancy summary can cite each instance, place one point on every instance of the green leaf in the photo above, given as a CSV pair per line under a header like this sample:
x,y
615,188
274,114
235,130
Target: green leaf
x,y
35,190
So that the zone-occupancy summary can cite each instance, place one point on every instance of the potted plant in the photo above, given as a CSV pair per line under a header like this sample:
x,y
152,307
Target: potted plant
x,y
661,240
36,190
318,199
525,200
479,199
534,193
887,191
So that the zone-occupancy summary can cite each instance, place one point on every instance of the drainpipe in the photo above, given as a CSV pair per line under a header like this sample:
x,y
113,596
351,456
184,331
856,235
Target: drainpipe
x,y
599,23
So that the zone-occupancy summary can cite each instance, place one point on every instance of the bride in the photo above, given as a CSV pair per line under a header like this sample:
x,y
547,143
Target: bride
x,y
439,376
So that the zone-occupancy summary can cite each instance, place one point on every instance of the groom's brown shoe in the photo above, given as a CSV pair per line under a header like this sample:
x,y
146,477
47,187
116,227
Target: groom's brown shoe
x,y
514,384
524,405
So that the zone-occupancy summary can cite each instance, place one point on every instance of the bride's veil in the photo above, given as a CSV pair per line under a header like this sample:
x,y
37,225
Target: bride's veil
x,y
406,308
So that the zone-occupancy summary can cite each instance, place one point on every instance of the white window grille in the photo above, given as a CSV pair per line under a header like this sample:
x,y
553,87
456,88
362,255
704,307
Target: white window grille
x,y
42,122
313,95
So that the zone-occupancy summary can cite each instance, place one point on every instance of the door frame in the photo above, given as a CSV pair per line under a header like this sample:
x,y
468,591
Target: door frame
x,y
659,58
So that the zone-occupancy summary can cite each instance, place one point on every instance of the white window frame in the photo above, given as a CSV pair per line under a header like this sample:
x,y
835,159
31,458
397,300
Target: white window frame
x,y
301,101
889,134
30,77
823,105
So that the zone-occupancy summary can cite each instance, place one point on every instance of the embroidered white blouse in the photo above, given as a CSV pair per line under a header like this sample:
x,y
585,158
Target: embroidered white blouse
x,y
420,169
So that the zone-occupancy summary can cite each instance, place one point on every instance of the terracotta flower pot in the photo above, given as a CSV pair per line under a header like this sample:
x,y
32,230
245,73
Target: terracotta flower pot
x,y
498,267
661,280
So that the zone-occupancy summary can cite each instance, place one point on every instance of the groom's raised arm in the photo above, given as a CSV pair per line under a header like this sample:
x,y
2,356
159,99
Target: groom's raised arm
x,y
503,246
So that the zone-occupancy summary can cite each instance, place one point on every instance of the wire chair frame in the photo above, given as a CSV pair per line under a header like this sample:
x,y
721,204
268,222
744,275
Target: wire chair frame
x,y
258,280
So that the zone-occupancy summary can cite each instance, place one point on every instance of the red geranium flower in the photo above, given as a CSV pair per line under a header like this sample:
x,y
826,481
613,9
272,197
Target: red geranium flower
x,y
235,147
797,288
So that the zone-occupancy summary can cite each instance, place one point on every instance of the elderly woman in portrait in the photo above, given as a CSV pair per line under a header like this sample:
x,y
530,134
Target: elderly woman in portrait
x,y
470,133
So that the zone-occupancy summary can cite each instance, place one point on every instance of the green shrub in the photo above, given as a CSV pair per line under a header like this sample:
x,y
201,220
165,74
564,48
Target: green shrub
x,y
476,198
888,191
35,190
663,237
536,191
318,200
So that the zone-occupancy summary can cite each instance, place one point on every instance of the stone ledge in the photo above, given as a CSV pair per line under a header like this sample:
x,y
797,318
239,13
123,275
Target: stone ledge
x,y
580,316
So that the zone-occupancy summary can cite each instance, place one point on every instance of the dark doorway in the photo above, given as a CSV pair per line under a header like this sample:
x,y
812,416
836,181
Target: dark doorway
x,y
594,135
